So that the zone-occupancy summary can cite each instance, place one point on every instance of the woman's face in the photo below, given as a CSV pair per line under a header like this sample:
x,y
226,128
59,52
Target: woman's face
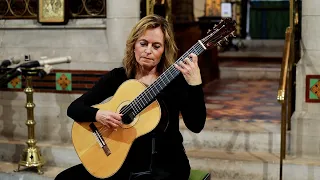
x,y
149,48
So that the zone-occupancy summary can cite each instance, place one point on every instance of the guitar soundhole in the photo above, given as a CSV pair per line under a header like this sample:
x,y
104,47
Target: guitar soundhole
x,y
128,115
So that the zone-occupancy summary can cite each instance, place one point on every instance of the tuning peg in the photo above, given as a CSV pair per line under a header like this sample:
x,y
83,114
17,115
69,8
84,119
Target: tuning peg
x,y
226,39
209,30
232,34
220,43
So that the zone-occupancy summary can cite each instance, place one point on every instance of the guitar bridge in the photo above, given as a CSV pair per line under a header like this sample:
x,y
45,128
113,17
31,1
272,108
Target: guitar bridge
x,y
100,139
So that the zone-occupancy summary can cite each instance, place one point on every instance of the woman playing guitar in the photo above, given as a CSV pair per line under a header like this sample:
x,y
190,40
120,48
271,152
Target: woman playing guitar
x,y
158,154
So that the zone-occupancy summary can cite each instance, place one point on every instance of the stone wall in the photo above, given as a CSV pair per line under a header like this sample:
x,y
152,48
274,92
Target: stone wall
x,y
84,40
53,126
304,141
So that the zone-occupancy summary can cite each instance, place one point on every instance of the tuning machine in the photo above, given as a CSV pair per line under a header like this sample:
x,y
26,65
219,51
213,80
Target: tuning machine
x,y
221,42
232,34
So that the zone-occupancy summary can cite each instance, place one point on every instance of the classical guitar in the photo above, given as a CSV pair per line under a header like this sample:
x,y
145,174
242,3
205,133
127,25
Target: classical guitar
x,y
103,151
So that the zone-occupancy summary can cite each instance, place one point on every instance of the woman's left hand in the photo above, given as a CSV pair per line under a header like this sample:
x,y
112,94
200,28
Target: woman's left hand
x,y
190,70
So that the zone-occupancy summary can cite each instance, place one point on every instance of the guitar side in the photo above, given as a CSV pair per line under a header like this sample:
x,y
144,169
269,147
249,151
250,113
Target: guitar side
x,y
92,156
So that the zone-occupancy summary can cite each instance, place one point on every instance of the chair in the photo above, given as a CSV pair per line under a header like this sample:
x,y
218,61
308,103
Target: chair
x,y
199,175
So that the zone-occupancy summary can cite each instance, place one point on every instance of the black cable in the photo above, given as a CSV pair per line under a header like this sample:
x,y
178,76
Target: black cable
x,y
13,75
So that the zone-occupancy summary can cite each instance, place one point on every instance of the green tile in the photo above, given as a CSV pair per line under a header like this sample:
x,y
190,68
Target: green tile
x,y
314,82
15,83
63,81
312,95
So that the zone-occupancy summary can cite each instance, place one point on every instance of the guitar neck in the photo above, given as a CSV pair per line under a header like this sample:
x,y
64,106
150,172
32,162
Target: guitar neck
x,y
149,94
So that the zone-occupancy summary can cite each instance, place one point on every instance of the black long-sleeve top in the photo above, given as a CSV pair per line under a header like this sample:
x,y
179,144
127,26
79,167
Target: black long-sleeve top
x,y
177,97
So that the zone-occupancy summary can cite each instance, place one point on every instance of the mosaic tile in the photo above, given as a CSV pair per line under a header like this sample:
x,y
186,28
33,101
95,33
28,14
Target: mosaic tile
x,y
15,83
220,98
256,103
63,81
214,106
237,85
228,91
313,88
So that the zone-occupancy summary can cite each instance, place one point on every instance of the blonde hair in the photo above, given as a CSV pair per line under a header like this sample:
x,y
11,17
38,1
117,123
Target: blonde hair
x,y
170,49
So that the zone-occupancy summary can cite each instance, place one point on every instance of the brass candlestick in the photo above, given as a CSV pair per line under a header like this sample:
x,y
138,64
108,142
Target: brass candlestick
x,y
31,155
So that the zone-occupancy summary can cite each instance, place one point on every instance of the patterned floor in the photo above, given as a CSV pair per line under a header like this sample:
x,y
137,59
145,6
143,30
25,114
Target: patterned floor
x,y
246,64
248,101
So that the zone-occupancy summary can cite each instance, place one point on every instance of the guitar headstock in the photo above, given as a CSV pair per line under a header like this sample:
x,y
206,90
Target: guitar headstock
x,y
219,33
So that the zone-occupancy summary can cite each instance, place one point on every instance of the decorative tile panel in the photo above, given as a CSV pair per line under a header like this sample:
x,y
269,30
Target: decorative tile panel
x,y
15,83
59,81
63,81
313,88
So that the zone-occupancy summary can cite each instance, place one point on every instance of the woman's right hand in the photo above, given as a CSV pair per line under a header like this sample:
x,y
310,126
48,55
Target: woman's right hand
x,y
108,118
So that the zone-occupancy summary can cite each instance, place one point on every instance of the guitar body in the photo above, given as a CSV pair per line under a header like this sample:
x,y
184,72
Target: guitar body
x,y
99,163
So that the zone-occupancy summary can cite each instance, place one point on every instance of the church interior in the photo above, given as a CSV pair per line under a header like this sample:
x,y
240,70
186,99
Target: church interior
x,y
261,86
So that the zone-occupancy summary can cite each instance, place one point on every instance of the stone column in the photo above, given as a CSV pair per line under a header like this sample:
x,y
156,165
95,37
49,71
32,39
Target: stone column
x,y
305,132
121,17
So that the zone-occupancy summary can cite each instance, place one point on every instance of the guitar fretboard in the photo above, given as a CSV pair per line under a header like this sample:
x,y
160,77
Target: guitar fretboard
x,y
149,94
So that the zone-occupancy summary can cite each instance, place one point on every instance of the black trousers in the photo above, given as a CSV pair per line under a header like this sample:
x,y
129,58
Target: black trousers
x,y
78,172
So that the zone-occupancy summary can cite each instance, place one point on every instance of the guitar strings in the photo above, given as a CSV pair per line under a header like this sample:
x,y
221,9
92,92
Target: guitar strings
x,y
157,84
127,108
197,48
103,129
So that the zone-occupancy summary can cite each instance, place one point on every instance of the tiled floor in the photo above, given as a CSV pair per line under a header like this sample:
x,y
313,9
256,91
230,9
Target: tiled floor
x,y
248,101
248,64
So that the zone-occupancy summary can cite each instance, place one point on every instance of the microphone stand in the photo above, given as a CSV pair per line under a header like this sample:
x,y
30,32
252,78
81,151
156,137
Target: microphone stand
x,y
31,155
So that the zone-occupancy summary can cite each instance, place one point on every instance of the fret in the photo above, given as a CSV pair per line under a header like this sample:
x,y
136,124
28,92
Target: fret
x,y
157,89
139,105
169,72
144,101
195,50
158,84
133,107
168,80
147,95
164,83
145,98
153,92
